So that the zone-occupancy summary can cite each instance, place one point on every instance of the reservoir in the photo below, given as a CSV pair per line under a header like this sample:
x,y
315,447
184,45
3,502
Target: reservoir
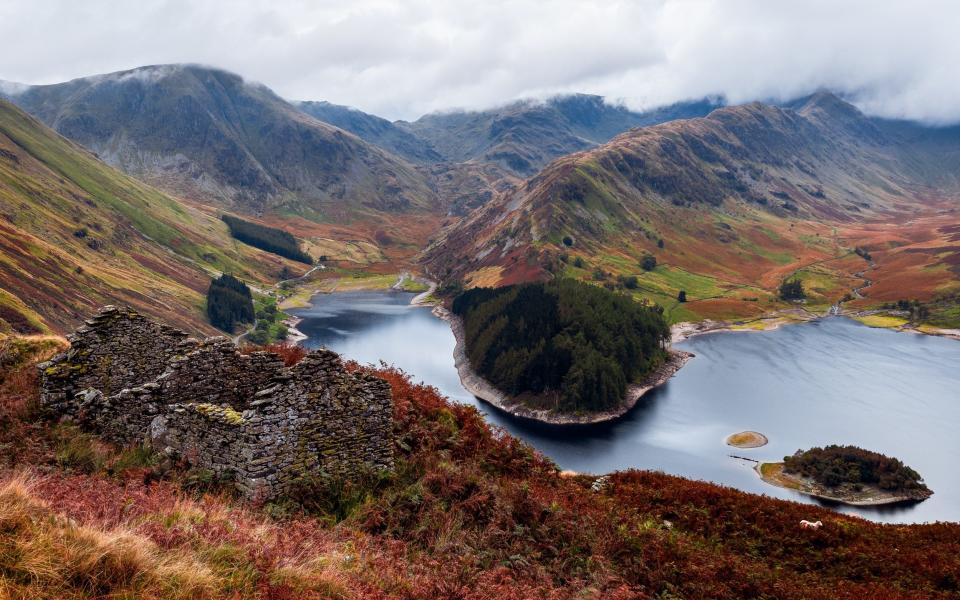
x,y
811,384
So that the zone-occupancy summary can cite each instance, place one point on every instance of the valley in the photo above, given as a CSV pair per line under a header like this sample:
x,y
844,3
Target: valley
x,y
577,306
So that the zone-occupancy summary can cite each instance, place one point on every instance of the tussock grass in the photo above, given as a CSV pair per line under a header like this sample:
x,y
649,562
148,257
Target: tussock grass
x,y
43,555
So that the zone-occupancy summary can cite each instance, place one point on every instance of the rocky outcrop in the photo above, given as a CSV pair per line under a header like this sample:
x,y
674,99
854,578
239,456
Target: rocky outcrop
x,y
246,417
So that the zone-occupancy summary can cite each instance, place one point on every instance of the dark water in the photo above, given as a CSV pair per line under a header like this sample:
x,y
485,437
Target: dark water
x,y
829,381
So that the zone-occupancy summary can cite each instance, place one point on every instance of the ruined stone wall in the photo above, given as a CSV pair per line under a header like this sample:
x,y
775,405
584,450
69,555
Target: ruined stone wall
x,y
245,417
116,349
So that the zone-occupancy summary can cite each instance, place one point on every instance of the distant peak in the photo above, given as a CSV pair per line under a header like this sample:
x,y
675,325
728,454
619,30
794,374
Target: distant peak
x,y
828,102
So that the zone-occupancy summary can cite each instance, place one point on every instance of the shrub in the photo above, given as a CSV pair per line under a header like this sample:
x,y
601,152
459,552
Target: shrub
x,y
567,241
648,262
290,353
682,296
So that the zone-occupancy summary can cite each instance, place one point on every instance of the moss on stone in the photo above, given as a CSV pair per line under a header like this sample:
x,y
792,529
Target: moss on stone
x,y
224,413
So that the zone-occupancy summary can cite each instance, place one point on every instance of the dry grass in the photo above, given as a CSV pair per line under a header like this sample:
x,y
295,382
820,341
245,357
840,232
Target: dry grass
x,y
44,555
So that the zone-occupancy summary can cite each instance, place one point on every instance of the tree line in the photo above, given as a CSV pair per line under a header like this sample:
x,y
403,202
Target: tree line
x,y
271,239
580,341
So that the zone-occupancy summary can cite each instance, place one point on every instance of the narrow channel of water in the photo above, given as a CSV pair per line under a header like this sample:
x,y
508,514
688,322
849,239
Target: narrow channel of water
x,y
828,381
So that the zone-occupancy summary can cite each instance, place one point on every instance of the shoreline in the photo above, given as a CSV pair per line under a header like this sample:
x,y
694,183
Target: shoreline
x,y
809,488
484,390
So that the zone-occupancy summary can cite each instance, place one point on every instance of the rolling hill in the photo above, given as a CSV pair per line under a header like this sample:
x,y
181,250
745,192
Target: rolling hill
x,y
729,204
75,234
208,135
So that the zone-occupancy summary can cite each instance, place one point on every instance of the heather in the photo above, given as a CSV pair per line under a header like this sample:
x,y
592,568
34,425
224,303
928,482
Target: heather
x,y
469,512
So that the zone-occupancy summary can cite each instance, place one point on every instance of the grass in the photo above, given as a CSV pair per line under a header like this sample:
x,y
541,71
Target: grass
x,y
882,321
46,556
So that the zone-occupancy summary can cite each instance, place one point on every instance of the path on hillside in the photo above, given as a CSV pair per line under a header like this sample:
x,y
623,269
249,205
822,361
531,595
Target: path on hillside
x,y
249,330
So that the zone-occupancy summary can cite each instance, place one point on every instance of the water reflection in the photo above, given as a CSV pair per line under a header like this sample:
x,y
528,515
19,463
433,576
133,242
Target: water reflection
x,y
831,381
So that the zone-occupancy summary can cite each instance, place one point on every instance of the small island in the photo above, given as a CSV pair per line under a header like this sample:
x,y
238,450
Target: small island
x,y
847,474
561,352
747,439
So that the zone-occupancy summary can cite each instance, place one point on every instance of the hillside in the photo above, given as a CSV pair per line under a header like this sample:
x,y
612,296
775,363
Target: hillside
x,y
468,513
728,204
374,129
523,137
76,234
208,135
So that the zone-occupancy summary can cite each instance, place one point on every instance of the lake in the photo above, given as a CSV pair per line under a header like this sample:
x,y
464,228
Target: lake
x,y
827,381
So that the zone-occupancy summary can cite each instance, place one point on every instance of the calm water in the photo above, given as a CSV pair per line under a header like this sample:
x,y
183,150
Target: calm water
x,y
829,381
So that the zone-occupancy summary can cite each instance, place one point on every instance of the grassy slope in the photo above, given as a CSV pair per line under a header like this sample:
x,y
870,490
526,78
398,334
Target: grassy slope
x,y
469,513
141,246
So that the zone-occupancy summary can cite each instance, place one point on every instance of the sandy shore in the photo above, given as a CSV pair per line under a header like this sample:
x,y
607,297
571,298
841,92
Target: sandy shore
x,y
483,389
294,335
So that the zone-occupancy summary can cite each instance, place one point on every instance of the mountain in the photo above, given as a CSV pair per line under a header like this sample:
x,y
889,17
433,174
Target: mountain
x,y
522,137
373,129
208,135
75,234
730,203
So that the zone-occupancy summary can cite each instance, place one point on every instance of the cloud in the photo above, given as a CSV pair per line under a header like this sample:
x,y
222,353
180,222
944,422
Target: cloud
x,y
400,59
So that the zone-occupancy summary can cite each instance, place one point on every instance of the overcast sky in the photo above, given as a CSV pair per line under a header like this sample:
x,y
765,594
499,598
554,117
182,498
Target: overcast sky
x,y
400,59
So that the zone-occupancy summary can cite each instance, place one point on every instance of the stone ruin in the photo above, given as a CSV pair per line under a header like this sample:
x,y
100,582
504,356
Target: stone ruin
x,y
245,417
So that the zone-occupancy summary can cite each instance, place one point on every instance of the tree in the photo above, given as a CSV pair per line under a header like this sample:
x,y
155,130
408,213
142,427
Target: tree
x,y
660,243
271,239
578,262
682,296
577,341
648,262
229,302
792,289
567,241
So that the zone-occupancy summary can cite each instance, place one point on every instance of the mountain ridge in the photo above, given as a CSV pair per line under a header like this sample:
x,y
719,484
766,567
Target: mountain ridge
x,y
208,134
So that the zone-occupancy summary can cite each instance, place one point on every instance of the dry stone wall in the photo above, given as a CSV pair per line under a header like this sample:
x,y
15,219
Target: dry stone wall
x,y
245,417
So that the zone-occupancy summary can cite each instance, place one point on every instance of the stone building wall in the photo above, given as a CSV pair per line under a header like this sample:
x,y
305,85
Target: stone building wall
x,y
245,417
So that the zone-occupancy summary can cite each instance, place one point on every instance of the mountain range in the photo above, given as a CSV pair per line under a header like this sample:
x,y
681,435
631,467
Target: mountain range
x,y
738,197
208,135
728,199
